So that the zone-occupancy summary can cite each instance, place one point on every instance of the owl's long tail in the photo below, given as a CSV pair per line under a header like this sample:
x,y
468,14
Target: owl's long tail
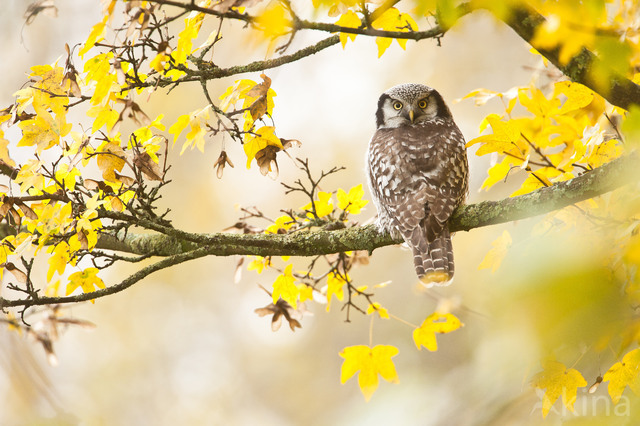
x,y
433,260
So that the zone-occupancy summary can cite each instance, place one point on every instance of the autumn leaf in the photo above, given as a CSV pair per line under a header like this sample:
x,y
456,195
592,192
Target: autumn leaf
x,y
375,307
59,259
323,205
369,362
494,257
274,21
88,280
284,287
623,374
425,335
255,143
558,380
505,135
497,173
335,287
97,34
578,96
393,20
352,201
348,19
110,160
259,263
280,226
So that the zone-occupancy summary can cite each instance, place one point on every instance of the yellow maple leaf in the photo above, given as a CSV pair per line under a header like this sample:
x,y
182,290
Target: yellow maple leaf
x,y
393,20
497,173
88,280
254,143
110,160
103,115
235,92
376,307
335,286
352,201
323,205
578,96
558,380
623,374
96,34
284,287
425,335
259,263
348,19
306,292
542,177
282,223
494,257
274,21
59,260
505,135
370,362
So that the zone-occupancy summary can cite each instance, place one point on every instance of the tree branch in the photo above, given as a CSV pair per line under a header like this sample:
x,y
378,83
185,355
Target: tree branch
x,y
585,68
303,243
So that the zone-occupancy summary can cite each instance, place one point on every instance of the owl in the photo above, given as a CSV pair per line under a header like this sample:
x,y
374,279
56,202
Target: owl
x,y
418,174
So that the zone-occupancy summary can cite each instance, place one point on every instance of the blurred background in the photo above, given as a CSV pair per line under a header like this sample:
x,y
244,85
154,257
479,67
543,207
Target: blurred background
x,y
184,346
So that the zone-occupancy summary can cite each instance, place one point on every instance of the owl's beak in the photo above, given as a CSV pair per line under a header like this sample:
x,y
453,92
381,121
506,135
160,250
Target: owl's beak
x,y
411,115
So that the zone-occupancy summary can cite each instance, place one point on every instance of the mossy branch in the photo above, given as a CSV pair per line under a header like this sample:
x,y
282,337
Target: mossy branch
x,y
311,243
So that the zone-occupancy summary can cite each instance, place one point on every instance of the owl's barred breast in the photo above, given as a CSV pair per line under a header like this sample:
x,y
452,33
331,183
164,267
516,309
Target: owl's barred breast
x,y
415,161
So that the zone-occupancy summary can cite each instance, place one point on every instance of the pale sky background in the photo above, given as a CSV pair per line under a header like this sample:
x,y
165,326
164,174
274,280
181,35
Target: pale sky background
x,y
185,347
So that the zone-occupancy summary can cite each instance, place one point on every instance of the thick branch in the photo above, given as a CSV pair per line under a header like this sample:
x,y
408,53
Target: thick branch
x,y
585,68
599,181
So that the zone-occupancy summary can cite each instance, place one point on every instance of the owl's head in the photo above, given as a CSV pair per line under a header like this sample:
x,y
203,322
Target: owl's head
x,y
410,104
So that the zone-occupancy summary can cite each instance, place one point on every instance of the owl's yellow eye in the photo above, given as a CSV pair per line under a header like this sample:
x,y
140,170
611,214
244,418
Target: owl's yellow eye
x,y
422,104
397,105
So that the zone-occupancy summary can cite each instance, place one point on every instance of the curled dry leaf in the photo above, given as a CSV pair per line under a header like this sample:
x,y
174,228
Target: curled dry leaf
x,y
221,162
259,107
